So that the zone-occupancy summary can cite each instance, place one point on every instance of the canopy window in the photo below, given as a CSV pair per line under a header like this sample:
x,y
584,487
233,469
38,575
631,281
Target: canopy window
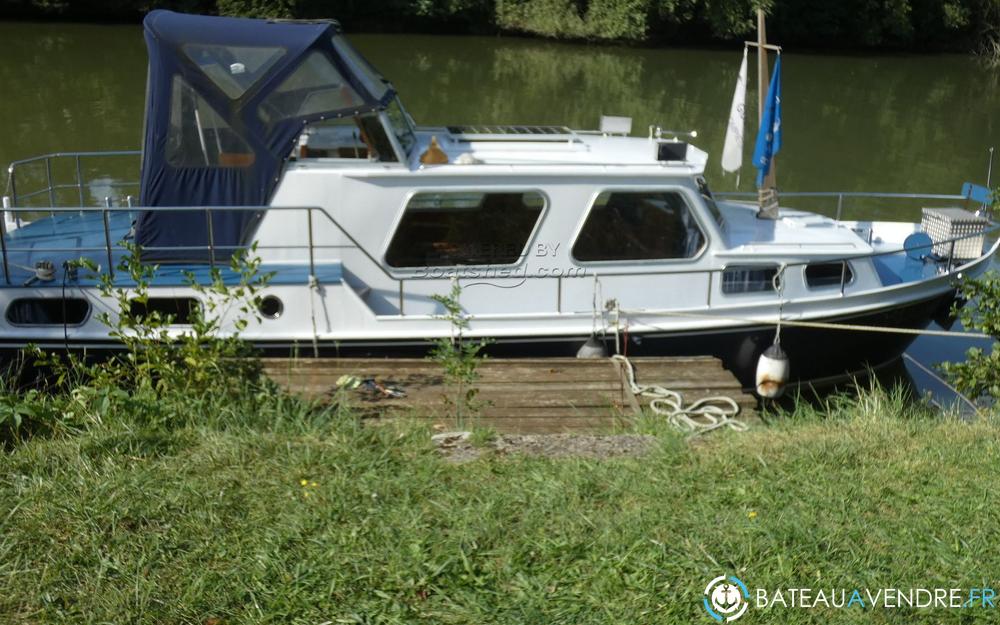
x,y
233,69
316,86
200,137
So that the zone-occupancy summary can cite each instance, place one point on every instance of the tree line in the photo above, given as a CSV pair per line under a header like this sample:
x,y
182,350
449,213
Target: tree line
x,y
965,25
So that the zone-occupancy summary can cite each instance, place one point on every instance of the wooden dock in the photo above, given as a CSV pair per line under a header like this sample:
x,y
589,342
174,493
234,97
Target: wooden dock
x,y
536,395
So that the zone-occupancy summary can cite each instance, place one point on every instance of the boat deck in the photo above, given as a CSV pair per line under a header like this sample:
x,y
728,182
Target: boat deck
x,y
70,236
535,395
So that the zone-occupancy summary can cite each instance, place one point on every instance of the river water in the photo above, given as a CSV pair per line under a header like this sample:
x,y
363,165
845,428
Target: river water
x,y
902,123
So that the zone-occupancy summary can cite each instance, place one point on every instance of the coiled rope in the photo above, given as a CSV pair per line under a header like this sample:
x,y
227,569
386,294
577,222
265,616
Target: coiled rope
x,y
699,417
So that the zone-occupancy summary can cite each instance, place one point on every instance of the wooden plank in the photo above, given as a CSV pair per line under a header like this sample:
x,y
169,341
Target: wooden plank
x,y
487,371
522,394
498,362
600,395
422,387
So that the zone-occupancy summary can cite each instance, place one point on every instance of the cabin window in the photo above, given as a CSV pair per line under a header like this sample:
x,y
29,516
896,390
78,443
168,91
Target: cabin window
x,y
464,228
374,133
360,137
233,69
315,87
644,225
748,279
180,310
49,311
821,275
198,136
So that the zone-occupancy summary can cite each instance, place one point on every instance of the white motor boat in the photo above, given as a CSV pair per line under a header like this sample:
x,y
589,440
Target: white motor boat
x,y
280,135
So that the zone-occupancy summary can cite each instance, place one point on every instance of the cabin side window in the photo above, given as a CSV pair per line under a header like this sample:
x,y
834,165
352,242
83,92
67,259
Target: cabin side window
x,y
464,228
748,279
639,225
825,275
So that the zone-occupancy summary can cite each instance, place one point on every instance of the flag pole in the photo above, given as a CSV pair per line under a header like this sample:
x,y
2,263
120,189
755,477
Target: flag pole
x,y
761,66
767,195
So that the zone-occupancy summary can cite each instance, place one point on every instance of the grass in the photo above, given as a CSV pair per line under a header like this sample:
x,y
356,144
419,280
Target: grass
x,y
276,511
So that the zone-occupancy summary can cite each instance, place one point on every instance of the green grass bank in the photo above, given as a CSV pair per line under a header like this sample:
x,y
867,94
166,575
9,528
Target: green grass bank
x,y
258,508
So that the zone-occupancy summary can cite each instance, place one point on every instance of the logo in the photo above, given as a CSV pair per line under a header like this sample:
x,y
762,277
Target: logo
x,y
726,599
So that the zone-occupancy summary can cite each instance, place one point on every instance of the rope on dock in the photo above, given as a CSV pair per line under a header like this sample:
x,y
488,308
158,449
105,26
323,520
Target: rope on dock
x,y
699,417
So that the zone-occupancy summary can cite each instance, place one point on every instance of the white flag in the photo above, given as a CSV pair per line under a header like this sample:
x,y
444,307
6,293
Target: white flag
x,y
732,149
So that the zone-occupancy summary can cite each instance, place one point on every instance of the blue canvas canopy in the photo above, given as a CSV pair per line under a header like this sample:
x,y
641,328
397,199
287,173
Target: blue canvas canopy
x,y
226,100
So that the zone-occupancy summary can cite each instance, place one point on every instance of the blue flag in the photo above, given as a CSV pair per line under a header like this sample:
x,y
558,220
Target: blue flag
x,y
769,136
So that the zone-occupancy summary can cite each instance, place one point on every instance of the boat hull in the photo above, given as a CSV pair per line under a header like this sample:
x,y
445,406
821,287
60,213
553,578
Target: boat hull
x,y
818,356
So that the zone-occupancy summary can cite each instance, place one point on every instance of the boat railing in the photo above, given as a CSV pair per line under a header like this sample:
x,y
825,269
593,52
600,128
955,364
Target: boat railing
x,y
62,179
213,250
841,200
311,246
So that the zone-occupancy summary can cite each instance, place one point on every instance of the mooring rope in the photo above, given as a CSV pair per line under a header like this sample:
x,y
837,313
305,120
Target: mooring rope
x,y
699,417
942,381
313,293
778,282
822,325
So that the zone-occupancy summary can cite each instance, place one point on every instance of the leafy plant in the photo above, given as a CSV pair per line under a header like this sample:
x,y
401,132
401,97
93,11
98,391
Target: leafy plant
x,y
482,437
979,374
459,358
23,413
204,357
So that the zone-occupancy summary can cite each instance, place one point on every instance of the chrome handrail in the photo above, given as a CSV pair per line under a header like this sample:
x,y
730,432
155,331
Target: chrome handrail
x,y
841,195
312,246
211,247
51,188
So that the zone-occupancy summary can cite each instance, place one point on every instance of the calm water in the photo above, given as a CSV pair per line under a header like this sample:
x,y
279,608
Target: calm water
x,y
851,123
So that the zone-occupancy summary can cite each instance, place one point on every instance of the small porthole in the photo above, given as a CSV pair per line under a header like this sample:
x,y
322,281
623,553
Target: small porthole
x,y
271,307
48,311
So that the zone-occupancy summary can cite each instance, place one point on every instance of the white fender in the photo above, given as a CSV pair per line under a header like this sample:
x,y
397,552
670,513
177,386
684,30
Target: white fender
x,y
593,348
773,371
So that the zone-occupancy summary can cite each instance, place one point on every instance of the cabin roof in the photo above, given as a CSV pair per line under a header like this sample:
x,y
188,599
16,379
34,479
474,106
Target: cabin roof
x,y
574,148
